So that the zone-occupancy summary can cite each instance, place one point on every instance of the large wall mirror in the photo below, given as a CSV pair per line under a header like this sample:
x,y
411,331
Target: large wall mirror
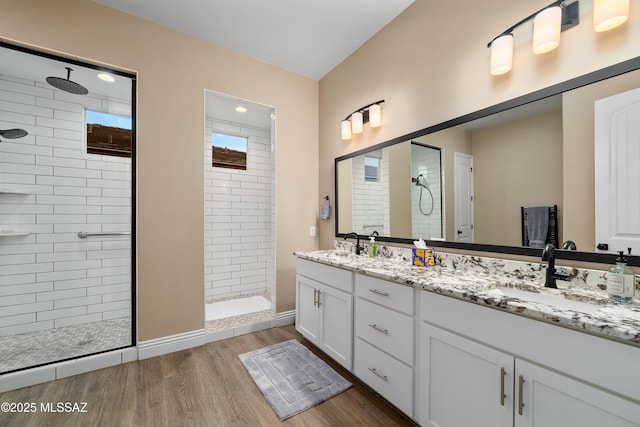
x,y
464,183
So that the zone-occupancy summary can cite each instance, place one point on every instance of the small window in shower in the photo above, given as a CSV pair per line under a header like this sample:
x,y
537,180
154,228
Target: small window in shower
x,y
108,134
371,169
229,151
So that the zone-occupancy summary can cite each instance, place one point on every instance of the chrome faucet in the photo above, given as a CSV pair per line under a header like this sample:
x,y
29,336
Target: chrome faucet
x,y
549,255
358,247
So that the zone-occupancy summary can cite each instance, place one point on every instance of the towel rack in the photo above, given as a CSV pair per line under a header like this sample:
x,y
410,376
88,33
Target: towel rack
x,y
552,229
84,234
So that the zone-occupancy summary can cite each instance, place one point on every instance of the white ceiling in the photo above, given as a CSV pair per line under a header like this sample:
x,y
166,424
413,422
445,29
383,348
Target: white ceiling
x,y
308,37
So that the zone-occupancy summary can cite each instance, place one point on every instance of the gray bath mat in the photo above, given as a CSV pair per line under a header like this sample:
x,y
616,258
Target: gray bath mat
x,y
291,377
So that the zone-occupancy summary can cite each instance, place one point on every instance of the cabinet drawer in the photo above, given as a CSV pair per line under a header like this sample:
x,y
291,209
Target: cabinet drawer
x,y
332,276
386,329
392,379
392,295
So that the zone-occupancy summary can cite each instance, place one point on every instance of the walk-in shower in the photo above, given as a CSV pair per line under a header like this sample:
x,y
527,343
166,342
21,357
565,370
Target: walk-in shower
x,y
66,215
426,191
239,152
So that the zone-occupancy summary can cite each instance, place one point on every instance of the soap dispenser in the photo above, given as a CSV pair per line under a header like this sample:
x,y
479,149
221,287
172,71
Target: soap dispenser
x,y
373,250
621,283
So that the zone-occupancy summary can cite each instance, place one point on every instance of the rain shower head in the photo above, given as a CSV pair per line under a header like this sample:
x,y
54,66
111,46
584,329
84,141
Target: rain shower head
x,y
13,133
67,85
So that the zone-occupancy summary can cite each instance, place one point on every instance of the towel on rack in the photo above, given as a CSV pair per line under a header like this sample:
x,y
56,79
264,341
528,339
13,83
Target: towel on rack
x,y
537,225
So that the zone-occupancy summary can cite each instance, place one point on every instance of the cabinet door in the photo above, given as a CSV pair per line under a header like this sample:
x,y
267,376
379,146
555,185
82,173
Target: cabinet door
x,y
307,313
463,383
549,399
336,337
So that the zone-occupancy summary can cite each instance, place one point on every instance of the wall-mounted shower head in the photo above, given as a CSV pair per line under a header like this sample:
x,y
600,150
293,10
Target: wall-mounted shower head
x,y
13,133
67,85
417,181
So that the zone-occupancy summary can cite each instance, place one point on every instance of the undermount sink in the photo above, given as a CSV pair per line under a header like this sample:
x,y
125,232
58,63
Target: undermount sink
x,y
557,301
340,256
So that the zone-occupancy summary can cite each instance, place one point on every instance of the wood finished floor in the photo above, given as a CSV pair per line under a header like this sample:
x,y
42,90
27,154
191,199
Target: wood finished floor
x,y
203,386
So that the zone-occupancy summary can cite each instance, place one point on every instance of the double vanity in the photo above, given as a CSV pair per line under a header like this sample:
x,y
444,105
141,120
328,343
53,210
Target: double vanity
x,y
474,341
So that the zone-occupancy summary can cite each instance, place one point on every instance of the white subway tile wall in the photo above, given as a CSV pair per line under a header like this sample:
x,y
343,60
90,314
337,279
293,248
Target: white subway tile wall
x,y
369,212
240,217
51,278
426,161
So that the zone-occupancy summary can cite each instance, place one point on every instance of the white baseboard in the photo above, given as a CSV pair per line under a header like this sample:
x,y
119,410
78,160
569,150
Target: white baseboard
x,y
171,343
285,318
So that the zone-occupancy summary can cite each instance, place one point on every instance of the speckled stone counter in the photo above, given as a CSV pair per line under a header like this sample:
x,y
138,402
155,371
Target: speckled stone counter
x,y
516,287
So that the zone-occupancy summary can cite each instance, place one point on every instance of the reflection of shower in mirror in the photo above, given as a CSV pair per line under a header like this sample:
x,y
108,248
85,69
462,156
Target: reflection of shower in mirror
x,y
418,181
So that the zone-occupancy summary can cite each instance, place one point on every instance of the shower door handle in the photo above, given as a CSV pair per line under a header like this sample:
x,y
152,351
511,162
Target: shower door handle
x,y
85,234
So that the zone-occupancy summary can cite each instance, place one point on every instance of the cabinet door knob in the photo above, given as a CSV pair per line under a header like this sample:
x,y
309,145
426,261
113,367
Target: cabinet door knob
x,y
383,377
520,398
374,326
502,395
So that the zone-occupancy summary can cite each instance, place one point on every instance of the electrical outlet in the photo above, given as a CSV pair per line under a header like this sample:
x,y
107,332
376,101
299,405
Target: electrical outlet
x,y
312,231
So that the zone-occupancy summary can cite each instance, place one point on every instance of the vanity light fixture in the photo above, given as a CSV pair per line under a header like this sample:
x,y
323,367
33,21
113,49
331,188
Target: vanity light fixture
x,y
354,122
548,23
609,14
241,108
546,30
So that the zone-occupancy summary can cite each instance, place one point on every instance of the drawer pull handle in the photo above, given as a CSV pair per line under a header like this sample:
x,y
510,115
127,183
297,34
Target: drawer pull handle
x,y
502,395
520,402
382,377
374,326
375,291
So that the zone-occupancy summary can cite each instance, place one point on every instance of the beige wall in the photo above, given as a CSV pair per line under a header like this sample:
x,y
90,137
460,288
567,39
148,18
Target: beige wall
x,y
345,196
515,164
173,71
431,64
399,191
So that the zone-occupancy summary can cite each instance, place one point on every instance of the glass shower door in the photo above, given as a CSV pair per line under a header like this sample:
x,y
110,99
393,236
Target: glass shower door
x,y
66,209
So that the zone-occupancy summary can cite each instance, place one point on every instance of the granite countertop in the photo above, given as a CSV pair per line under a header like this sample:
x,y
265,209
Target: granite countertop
x,y
510,286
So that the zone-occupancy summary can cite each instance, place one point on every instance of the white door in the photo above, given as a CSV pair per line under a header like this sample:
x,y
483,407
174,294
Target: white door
x,y
548,399
463,196
617,175
463,383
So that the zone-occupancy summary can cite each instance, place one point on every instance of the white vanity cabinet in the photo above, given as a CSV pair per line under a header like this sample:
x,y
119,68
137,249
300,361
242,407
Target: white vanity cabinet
x,y
384,339
509,372
324,308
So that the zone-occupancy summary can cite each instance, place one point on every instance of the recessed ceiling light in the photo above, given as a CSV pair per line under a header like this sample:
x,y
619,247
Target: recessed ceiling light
x,y
106,77
241,109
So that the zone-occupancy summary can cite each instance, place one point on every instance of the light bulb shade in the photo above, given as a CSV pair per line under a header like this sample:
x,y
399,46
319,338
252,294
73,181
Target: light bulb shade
x,y
356,122
375,117
608,14
345,127
546,30
502,54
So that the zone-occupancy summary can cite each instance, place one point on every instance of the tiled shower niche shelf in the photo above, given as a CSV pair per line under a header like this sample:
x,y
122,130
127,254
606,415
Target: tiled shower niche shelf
x,y
14,233
8,191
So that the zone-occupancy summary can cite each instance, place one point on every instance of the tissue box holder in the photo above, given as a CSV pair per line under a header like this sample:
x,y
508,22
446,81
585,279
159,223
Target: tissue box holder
x,y
422,257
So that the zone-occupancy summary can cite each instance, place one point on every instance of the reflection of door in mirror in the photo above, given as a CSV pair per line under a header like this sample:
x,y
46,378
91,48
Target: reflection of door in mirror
x,y
463,192
617,155
426,192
